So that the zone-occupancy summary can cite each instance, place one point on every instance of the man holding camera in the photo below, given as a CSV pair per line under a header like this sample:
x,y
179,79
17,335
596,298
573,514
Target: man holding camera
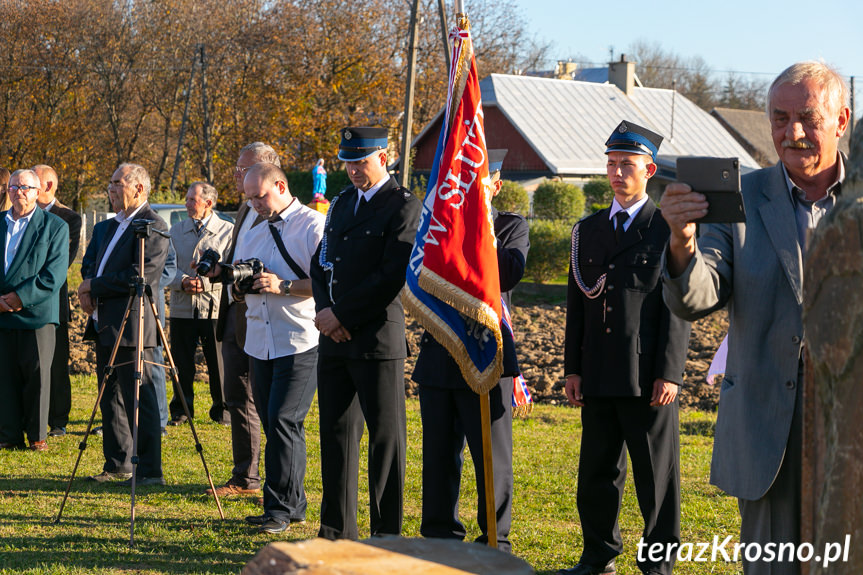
x,y
357,277
109,266
34,250
195,300
756,270
281,337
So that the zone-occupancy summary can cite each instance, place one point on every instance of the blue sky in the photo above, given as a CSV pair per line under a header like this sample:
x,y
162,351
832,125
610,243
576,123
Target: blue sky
x,y
745,36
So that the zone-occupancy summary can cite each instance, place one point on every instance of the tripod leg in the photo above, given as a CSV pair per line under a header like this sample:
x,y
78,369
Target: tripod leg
x,y
139,380
178,392
109,369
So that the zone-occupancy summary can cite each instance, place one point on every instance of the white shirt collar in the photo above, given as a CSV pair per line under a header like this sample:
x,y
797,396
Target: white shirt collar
x,y
50,205
631,210
20,221
122,218
368,194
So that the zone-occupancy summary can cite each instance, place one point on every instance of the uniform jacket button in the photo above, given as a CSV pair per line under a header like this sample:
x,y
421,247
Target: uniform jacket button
x,y
611,266
790,384
608,330
795,339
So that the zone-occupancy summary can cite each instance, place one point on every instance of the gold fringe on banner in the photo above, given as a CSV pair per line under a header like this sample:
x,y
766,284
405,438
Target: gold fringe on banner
x,y
479,381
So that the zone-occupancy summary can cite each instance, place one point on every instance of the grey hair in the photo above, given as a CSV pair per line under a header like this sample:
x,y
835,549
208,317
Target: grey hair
x,y
264,153
137,175
208,192
831,82
23,171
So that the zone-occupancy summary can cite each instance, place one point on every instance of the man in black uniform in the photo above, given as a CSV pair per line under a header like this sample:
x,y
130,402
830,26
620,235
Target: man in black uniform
x,y
357,276
61,386
624,361
450,409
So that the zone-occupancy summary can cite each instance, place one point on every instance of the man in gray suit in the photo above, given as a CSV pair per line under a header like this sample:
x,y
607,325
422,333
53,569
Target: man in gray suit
x,y
756,269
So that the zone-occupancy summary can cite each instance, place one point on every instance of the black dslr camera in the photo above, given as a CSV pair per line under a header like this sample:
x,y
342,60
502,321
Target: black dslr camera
x,y
208,261
242,274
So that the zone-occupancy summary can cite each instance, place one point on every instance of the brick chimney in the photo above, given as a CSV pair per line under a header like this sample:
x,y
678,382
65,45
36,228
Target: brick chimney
x,y
622,74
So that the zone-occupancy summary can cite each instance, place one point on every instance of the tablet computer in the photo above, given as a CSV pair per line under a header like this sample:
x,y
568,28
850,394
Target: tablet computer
x,y
719,180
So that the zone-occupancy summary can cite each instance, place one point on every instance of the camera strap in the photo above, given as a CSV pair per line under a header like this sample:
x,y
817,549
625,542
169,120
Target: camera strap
x,y
284,251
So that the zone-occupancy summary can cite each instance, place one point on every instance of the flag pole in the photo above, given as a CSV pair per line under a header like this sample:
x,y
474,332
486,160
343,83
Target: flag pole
x,y
488,470
485,422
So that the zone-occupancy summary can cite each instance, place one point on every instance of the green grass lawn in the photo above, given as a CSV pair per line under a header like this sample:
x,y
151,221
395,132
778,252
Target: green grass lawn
x,y
178,530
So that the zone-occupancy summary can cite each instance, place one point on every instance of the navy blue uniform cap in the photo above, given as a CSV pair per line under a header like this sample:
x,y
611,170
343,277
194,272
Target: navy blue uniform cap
x,y
360,143
495,160
634,139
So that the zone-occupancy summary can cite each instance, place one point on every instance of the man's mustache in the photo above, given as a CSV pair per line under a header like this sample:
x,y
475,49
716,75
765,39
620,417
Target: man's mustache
x,y
802,144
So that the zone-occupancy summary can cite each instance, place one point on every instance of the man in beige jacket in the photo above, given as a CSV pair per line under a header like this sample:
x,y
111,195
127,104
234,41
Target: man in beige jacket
x,y
195,300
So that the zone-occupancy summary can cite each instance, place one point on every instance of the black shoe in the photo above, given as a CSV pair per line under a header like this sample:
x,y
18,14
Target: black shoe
x,y
259,520
273,525
179,420
96,431
57,432
585,569
164,432
143,481
109,476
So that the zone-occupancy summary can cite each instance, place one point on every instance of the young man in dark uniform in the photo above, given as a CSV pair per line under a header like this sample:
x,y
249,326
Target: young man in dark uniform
x,y
624,361
357,276
450,409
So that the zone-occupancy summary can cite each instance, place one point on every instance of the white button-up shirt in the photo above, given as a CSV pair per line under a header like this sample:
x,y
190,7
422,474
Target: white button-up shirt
x,y
279,325
123,222
14,232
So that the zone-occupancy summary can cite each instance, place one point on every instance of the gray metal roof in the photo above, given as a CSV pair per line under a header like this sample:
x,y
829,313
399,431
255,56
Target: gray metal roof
x,y
567,122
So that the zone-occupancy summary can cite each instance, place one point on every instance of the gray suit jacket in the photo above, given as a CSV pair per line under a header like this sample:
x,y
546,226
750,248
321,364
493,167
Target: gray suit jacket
x,y
757,269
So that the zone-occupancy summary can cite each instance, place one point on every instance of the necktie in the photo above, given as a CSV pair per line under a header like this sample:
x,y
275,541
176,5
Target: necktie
x,y
199,225
620,219
360,204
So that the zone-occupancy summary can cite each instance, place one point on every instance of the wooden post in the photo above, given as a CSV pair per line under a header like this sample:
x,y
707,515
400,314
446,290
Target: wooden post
x,y
178,158
208,152
444,33
488,471
407,129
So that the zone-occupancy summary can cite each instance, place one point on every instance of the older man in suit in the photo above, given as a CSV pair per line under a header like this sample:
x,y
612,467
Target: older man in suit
x,y
756,269
231,331
109,265
356,278
195,300
34,268
61,387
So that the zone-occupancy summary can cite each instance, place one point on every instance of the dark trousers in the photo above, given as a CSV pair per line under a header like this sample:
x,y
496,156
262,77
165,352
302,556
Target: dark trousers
x,y
118,415
610,428
25,357
350,391
239,399
450,416
284,389
60,403
185,335
776,516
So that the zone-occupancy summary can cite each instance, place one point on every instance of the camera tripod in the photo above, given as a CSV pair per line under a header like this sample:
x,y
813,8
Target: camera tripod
x,y
138,289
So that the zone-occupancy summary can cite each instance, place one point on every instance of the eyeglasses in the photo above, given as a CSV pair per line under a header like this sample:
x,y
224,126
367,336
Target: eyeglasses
x,y
24,189
238,171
